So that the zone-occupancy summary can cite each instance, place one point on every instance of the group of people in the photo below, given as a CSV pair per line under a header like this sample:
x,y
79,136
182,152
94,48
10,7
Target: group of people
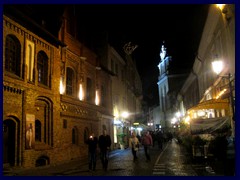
x,y
104,142
146,141
161,137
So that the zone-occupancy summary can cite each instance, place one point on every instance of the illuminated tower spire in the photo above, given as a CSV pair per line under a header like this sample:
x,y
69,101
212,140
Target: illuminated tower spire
x,y
163,52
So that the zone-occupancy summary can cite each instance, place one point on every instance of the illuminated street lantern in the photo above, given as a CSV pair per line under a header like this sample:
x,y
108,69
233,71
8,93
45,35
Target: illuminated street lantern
x,y
217,66
125,114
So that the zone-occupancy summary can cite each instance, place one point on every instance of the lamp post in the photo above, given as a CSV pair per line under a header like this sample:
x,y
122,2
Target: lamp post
x,y
217,68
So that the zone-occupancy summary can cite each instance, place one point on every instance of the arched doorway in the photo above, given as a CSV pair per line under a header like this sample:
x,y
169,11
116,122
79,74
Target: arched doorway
x,y
9,142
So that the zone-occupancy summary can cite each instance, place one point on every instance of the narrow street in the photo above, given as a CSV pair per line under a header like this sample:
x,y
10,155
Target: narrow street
x,y
171,161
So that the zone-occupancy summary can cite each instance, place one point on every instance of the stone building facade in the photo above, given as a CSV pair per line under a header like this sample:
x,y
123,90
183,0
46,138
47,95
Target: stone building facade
x,y
31,77
206,95
54,93
85,101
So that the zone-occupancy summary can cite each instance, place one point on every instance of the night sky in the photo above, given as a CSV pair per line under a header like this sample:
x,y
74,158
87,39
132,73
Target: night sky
x,y
179,26
148,26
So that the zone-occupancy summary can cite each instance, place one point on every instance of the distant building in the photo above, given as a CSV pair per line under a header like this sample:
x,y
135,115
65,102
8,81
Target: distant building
x,y
126,94
205,95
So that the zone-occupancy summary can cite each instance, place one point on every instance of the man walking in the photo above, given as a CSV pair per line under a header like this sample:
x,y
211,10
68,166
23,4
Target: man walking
x,y
147,142
92,151
104,145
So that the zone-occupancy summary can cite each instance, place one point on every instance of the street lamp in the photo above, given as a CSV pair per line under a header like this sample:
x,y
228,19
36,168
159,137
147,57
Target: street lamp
x,y
125,114
217,68
150,124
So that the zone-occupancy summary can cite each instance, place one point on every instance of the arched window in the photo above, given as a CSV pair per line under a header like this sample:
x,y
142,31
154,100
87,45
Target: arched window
x,y
37,130
86,134
44,131
12,55
69,83
42,67
75,136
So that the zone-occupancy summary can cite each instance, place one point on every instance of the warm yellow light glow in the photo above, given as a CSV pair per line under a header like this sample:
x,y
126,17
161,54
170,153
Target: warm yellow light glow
x,y
187,120
80,92
220,6
221,93
217,66
115,112
97,100
61,88
201,113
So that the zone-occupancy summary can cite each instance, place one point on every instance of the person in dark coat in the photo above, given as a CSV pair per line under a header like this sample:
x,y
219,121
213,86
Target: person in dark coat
x,y
160,139
92,142
104,145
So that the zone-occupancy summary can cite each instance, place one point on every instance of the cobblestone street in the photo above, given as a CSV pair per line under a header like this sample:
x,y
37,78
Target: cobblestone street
x,y
171,161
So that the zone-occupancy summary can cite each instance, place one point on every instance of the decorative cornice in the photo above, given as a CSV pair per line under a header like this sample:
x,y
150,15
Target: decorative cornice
x,y
12,89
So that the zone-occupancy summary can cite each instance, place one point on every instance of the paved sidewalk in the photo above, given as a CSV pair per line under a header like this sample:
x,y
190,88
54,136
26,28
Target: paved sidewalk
x,y
120,164
173,160
50,170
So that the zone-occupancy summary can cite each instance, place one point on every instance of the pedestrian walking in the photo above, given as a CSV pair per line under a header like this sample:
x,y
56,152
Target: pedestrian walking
x,y
160,139
134,145
139,138
104,145
147,142
92,142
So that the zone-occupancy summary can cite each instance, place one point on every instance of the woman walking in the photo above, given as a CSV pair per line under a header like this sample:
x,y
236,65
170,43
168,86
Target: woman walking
x,y
134,144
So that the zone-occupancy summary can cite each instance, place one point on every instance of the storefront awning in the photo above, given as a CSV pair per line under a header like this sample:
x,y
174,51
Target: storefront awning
x,y
209,125
212,104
